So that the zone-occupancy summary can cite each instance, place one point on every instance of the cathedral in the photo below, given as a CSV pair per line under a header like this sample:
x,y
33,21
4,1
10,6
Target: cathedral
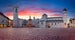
x,y
54,22
43,22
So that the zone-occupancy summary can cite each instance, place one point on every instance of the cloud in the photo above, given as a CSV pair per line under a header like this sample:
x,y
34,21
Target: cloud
x,y
25,13
56,15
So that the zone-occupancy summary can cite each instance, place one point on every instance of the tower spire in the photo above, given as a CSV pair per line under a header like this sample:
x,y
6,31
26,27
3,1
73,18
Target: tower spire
x,y
64,10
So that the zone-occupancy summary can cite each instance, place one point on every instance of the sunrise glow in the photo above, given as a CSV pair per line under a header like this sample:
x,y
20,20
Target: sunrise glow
x,y
24,14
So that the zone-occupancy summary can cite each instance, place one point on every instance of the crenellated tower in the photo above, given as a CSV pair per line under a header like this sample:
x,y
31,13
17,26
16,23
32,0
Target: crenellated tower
x,y
15,17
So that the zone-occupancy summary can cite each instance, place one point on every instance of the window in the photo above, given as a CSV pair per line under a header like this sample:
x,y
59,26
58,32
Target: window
x,y
55,23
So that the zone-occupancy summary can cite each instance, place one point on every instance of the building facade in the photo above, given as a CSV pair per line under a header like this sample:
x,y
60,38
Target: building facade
x,y
54,22
72,23
4,21
44,22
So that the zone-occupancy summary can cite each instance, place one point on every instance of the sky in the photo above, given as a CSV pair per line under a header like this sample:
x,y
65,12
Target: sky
x,y
36,8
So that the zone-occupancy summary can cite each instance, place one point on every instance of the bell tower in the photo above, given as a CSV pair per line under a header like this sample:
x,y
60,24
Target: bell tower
x,y
15,16
65,17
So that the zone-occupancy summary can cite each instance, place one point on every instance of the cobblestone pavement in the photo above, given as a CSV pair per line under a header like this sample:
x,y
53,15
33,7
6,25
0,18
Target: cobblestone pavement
x,y
37,34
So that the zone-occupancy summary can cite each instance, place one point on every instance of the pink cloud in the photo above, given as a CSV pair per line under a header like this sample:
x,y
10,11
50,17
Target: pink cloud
x,y
36,12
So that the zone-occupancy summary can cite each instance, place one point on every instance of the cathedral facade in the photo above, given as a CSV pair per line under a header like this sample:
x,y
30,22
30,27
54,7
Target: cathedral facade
x,y
44,22
54,22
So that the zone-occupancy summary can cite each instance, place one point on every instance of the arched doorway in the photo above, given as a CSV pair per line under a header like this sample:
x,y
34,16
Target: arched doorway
x,y
48,25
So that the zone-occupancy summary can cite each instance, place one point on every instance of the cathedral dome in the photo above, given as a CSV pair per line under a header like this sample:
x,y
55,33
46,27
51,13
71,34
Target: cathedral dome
x,y
64,9
44,15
